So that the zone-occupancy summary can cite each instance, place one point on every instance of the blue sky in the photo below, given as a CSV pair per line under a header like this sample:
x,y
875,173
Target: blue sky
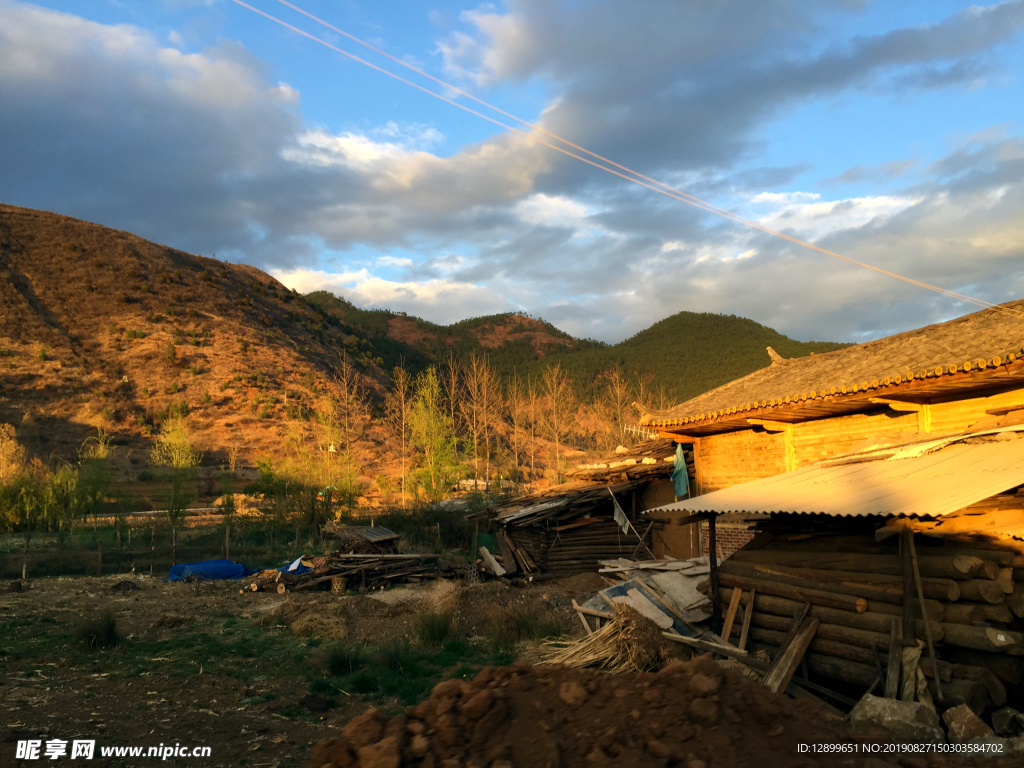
x,y
887,131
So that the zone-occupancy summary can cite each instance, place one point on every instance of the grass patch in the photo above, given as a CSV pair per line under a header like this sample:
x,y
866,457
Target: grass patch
x,y
344,660
437,628
514,624
100,632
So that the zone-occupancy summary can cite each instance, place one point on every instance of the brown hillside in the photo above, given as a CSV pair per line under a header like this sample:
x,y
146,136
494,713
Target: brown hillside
x,y
88,316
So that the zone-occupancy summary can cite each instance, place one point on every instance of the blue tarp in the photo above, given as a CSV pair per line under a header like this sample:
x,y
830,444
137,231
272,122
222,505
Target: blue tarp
x,y
210,570
296,567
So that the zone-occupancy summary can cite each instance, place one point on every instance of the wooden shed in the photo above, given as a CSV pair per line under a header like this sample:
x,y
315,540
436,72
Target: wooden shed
x,y
568,528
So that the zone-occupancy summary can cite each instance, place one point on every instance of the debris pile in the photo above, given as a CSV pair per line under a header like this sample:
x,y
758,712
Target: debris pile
x,y
340,572
690,714
629,642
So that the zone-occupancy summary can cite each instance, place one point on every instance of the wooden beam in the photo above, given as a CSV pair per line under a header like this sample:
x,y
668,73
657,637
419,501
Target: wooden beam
x,y
892,674
748,612
898,405
790,656
769,425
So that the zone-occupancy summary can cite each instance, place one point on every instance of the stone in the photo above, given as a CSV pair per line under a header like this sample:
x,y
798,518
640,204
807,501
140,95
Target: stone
x,y
364,729
908,721
1007,721
704,685
386,753
963,725
572,694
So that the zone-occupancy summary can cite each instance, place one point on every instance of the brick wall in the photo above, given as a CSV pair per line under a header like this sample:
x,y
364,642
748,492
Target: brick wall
x,y
728,537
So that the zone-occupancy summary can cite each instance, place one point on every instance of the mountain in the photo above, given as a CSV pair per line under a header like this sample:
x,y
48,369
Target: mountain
x,y
100,328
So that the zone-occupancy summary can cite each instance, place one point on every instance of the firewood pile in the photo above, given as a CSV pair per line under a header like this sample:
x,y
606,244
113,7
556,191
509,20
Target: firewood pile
x,y
833,606
362,539
342,572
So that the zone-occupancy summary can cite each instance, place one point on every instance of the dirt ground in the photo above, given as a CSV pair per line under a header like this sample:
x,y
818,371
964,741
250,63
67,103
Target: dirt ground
x,y
257,677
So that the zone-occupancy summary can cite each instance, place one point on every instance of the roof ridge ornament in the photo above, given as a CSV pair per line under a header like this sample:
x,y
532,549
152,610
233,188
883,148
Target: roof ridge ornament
x,y
777,359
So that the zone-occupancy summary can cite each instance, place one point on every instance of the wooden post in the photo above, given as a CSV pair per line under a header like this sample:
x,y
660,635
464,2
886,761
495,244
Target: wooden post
x,y
716,611
924,611
892,674
24,563
152,551
907,571
748,612
99,559
227,541
730,615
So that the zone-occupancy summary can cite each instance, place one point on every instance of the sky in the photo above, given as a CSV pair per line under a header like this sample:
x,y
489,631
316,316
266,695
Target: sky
x,y
888,132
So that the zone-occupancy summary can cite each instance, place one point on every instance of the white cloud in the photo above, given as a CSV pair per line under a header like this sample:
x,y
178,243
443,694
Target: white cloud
x,y
440,301
393,261
822,217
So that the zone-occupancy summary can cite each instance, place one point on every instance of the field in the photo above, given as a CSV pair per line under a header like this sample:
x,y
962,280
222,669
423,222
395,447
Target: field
x,y
256,677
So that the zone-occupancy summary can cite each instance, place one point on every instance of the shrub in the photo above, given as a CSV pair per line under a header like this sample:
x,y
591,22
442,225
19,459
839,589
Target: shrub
x,y
194,370
100,632
207,399
171,354
133,334
43,352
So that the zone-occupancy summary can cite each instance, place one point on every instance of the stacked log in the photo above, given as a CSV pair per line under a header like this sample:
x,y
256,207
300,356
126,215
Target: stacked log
x,y
575,550
974,603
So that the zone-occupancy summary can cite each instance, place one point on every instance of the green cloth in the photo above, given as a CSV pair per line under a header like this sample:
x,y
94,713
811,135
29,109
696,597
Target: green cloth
x,y
679,475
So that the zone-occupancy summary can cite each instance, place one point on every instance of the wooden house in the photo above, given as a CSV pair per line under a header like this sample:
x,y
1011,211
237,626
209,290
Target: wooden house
x,y
880,493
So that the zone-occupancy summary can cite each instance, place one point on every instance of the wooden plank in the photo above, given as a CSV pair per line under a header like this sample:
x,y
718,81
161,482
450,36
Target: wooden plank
x,y
790,656
748,612
586,624
924,609
793,628
730,614
892,674
507,561
493,564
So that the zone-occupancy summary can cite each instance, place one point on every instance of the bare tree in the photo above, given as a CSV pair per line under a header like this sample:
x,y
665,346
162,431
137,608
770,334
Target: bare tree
x,y
491,405
615,403
398,404
560,407
533,412
471,407
451,381
342,415
516,411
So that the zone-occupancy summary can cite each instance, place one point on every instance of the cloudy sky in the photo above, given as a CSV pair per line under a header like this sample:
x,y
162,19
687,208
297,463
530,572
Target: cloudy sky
x,y
890,132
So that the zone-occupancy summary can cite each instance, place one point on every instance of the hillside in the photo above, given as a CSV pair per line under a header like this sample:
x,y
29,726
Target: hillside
x,y
100,328
89,317
510,341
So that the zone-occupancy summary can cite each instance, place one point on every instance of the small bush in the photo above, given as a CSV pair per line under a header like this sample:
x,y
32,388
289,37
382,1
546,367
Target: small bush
x,y
437,628
171,355
207,399
100,632
133,334
194,370
43,352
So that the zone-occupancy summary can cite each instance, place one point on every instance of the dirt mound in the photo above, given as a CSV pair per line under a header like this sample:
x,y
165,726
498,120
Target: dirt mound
x,y
690,714
123,587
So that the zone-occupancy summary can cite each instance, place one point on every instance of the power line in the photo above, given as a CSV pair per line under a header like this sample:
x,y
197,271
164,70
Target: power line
x,y
626,173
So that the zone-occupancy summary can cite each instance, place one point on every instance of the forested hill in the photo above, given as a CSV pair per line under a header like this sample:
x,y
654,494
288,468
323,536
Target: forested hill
x,y
679,357
686,354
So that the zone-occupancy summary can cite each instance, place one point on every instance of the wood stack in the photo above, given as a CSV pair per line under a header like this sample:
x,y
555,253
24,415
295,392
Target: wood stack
x,y
972,613
576,546
347,571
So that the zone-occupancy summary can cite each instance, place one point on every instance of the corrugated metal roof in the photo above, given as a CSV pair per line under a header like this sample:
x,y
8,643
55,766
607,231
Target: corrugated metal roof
x,y
935,484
